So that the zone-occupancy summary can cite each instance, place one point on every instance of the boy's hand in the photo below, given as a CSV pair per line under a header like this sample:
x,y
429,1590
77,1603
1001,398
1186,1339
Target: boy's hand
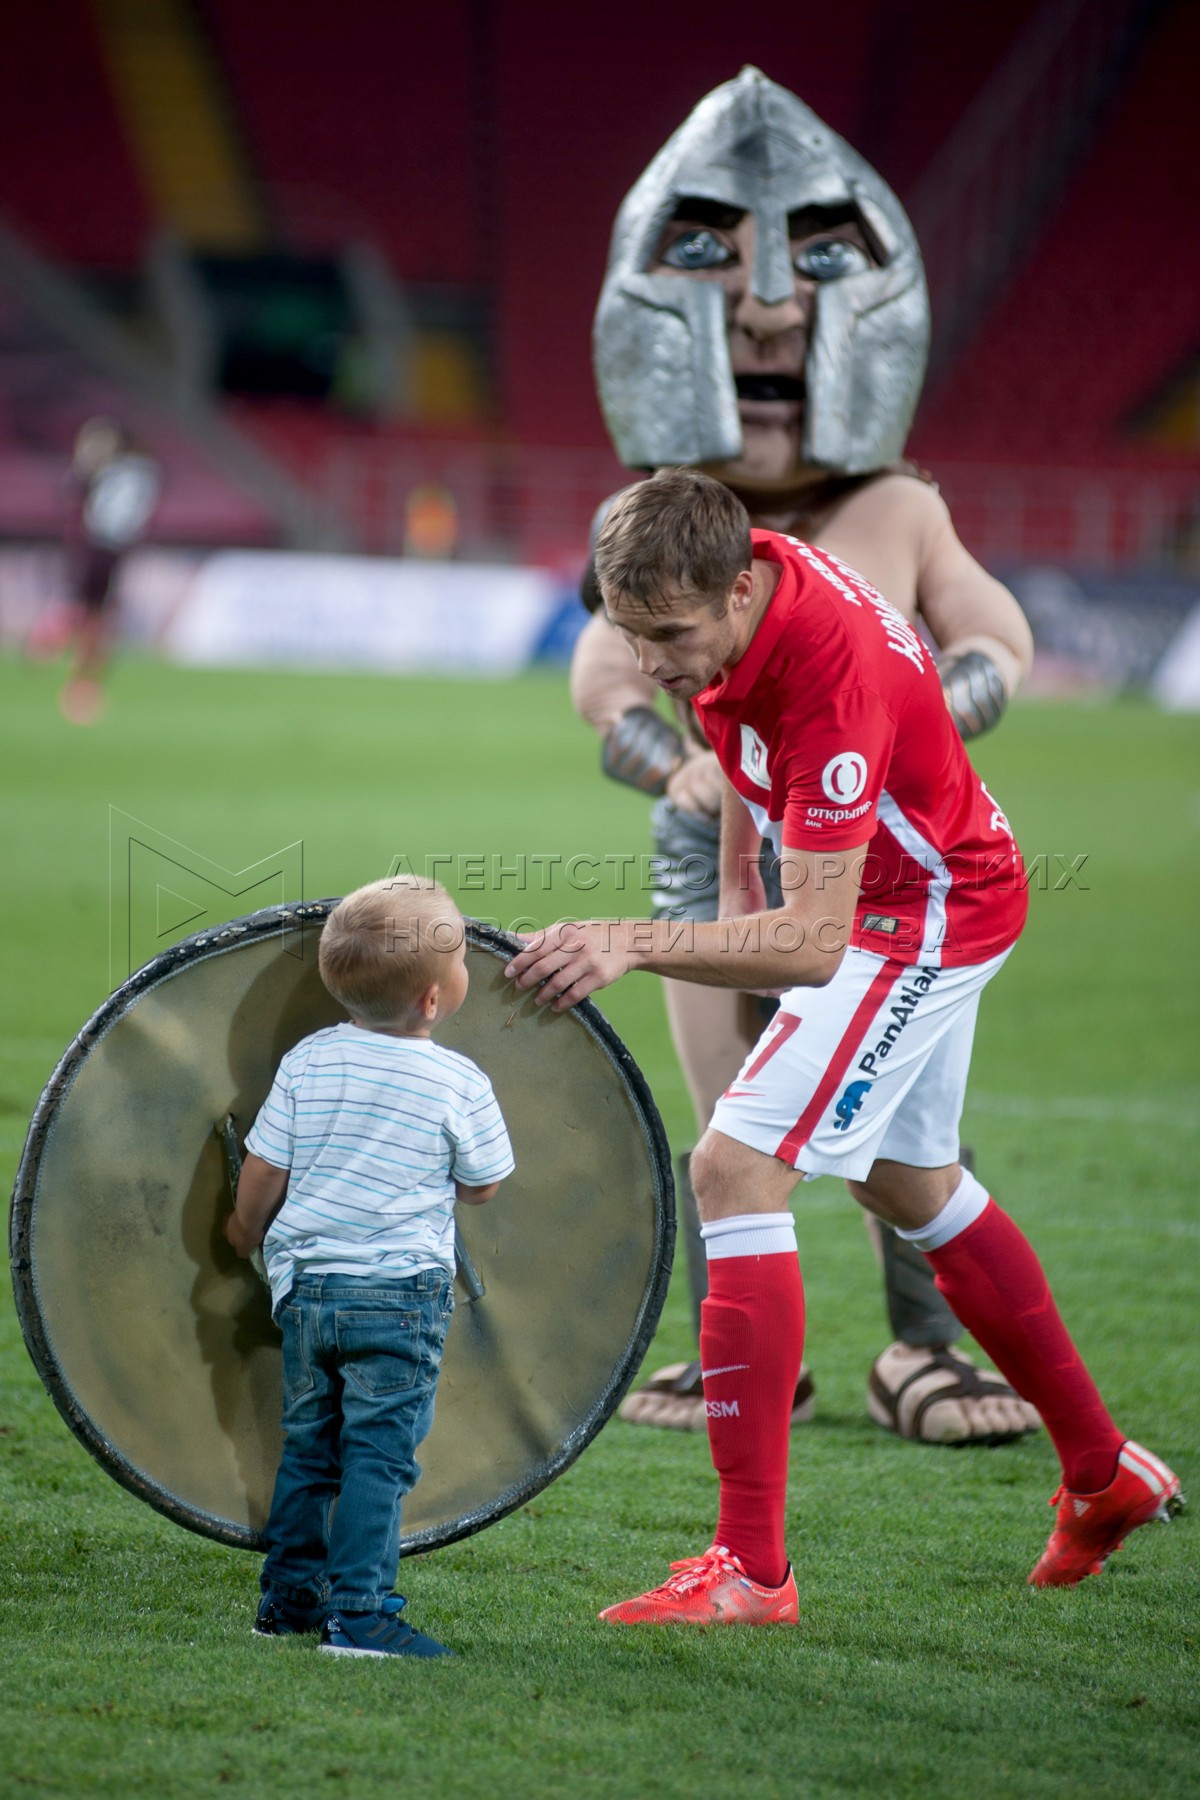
x,y
238,1236
260,1194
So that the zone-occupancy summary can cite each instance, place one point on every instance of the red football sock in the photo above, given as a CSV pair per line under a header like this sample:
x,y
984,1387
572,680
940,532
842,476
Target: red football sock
x,y
751,1342
995,1283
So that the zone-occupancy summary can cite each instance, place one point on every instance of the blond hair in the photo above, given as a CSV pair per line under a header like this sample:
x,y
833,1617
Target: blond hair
x,y
680,532
386,944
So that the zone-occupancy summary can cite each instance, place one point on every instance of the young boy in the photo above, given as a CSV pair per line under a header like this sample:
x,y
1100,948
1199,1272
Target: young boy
x,y
369,1134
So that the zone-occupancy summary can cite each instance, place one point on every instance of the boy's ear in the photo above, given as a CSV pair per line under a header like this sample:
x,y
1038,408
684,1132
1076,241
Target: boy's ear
x,y
427,1003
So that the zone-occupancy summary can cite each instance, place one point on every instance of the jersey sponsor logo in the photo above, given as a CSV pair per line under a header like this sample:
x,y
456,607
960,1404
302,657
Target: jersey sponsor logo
x,y
902,1009
844,777
837,815
754,758
850,1103
721,1409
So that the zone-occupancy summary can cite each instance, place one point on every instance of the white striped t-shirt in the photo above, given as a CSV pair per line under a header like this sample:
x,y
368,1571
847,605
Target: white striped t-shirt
x,y
375,1131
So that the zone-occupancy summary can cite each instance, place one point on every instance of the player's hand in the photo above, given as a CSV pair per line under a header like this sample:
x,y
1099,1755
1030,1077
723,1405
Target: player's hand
x,y
567,962
697,785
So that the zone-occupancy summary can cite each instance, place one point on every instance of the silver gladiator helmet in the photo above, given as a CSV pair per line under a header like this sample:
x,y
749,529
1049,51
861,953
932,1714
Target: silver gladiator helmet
x,y
661,345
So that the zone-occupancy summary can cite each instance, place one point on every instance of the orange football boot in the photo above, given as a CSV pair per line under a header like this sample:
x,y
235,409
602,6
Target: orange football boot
x,y
1089,1527
712,1589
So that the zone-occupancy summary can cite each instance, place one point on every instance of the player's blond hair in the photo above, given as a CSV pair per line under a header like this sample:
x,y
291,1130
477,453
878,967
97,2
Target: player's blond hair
x,y
680,532
386,944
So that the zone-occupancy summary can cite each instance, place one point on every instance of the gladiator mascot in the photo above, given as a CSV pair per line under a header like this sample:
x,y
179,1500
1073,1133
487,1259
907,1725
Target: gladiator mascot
x,y
764,317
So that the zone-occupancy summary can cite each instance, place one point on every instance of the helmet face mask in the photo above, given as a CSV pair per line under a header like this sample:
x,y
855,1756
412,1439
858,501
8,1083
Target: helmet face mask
x,y
662,352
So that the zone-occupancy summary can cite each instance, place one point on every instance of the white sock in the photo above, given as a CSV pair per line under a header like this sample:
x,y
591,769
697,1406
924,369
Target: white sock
x,y
961,1209
750,1234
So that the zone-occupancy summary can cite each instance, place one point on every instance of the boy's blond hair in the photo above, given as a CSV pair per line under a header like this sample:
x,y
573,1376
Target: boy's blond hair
x,y
385,944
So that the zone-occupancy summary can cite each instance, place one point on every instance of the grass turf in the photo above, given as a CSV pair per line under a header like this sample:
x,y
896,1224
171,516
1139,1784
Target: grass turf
x,y
923,1665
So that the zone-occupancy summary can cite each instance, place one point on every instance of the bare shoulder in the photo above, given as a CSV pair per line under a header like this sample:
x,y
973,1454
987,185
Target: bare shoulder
x,y
905,501
898,509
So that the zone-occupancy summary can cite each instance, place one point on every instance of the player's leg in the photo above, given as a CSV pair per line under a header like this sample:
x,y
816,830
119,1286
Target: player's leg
x,y
712,1030
82,697
920,1386
990,1273
917,1313
949,1215
751,1341
752,1332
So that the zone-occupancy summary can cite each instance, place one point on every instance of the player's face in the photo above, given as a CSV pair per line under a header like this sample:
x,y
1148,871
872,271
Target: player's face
x,y
682,645
707,241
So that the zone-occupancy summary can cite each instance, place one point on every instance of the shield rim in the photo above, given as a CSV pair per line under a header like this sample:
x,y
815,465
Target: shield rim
x,y
277,921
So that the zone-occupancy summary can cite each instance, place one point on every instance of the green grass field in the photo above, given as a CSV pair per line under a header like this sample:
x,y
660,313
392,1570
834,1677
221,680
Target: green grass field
x,y
924,1664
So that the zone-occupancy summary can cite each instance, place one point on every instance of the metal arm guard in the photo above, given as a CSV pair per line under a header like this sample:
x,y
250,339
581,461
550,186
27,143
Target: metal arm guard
x,y
975,693
642,750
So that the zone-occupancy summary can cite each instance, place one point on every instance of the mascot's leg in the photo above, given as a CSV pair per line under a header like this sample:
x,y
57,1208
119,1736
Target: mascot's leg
x,y
707,1027
920,1387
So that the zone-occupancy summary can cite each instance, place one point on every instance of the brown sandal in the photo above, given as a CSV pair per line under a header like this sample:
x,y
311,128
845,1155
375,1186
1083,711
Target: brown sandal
x,y
909,1406
673,1400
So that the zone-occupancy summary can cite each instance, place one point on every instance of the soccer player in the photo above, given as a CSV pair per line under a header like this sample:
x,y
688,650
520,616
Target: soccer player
x,y
764,316
117,488
902,897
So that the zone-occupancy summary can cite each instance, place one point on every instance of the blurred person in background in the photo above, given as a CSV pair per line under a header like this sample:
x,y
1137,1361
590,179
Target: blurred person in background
x,y
115,486
764,318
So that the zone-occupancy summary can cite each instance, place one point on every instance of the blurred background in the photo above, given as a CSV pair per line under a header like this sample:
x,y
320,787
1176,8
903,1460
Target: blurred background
x,y
332,269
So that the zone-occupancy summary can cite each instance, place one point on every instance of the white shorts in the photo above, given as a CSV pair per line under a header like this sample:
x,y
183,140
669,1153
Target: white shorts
x,y
875,1064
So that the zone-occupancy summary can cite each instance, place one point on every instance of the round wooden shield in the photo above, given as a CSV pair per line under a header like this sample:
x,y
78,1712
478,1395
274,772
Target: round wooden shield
x,y
156,1343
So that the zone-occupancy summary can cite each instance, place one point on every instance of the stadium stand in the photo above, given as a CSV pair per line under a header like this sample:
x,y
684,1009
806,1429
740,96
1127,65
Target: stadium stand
x,y
443,138
69,184
1102,306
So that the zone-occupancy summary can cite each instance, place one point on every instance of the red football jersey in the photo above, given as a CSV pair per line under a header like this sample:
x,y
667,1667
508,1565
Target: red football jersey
x,y
834,730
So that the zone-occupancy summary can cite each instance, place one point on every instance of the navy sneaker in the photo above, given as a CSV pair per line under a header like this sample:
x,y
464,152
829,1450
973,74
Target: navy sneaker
x,y
281,1618
378,1634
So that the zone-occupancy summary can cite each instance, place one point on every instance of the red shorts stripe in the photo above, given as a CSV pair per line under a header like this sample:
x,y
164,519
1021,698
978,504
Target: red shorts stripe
x,y
839,1062
784,1024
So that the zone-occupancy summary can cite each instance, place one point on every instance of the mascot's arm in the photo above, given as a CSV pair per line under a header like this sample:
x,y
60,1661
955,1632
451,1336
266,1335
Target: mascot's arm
x,y
261,1191
608,690
985,644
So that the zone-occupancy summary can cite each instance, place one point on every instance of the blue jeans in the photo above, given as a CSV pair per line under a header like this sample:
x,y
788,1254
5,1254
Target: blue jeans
x,y
360,1367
